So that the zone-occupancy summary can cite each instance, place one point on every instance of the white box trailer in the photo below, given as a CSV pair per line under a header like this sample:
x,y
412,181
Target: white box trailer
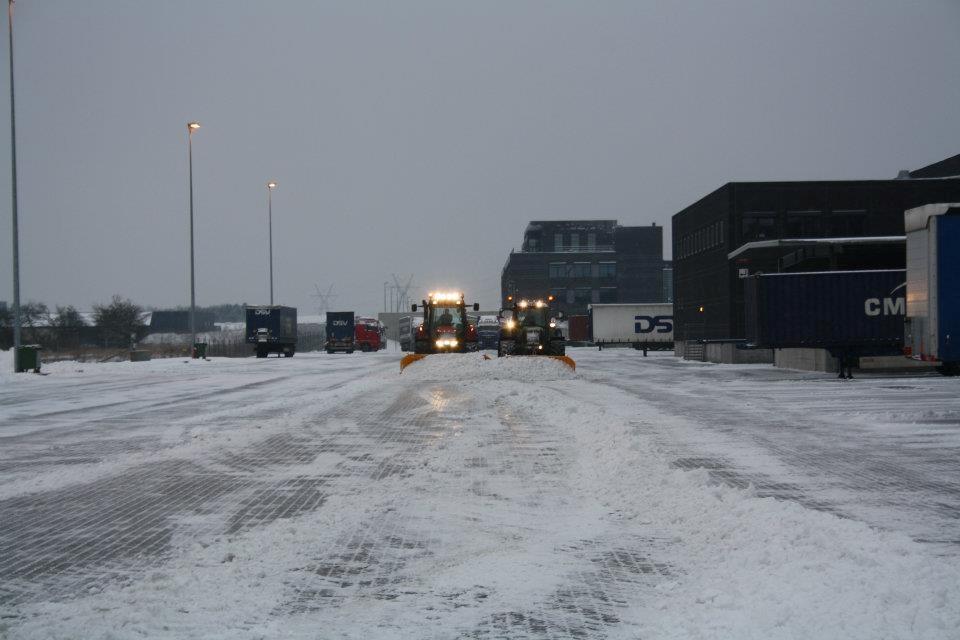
x,y
932,329
641,326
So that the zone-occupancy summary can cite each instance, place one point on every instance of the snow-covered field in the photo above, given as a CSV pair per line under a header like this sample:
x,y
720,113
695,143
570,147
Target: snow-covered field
x,y
332,497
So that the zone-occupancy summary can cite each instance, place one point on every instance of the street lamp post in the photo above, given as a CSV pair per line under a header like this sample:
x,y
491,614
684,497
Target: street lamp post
x,y
13,192
270,187
191,127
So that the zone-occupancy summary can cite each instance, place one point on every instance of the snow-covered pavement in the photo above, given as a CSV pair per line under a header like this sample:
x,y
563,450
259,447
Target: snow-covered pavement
x,y
332,497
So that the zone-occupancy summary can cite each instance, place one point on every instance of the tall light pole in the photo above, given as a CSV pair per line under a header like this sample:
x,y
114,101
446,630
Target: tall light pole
x,y
270,187
13,191
191,127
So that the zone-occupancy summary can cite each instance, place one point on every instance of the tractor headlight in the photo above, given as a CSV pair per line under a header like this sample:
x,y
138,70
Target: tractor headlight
x,y
511,324
553,325
446,342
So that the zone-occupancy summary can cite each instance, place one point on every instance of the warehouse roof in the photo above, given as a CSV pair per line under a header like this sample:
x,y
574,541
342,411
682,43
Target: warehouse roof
x,y
805,242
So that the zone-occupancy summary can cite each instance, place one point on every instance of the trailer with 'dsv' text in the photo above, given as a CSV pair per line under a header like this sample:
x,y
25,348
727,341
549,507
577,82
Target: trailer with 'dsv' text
x,y
272,329
640,325
341,332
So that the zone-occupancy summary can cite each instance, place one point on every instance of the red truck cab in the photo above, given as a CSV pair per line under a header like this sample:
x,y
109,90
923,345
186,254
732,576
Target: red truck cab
x,y
369,334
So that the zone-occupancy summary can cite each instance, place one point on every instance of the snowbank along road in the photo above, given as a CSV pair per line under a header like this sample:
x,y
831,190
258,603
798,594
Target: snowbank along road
x,y
330,496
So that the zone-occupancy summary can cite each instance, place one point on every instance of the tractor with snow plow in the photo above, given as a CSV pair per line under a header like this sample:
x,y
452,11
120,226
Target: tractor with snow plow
x,y
445,327
528,329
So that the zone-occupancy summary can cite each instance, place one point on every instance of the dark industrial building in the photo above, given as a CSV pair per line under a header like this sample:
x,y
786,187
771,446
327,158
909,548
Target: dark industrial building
x,y
178,321
744,228
582,262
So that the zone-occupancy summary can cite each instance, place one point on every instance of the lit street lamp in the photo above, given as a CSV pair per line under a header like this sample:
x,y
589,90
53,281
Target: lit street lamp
x,y
270,187
191,127
13,191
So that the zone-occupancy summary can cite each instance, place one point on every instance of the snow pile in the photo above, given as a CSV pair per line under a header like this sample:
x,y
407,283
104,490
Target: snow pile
x,y
457,367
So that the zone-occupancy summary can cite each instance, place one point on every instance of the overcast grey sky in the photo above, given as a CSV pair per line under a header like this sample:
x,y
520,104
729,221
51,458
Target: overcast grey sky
x,y
420,137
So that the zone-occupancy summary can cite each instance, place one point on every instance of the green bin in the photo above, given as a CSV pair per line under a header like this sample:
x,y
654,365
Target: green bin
x,y
27,358
200,350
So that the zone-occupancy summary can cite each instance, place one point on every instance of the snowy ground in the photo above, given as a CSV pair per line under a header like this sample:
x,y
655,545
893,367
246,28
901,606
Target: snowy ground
x,y
331,497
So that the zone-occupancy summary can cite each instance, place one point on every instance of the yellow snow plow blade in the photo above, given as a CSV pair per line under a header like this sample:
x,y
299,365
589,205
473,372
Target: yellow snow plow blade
x,y
567,360
410,359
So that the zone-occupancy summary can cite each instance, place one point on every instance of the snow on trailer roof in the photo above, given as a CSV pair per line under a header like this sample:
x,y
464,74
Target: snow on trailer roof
x,y
919,217
802,242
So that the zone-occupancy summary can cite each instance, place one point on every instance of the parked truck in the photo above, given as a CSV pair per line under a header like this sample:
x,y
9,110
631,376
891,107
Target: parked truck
x,y
272,329
407,332
851,314
641,326
341,332
932,328
488,332
369,334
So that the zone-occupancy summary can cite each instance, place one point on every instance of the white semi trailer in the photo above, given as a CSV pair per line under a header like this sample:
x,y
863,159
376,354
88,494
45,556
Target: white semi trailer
x,y
641,326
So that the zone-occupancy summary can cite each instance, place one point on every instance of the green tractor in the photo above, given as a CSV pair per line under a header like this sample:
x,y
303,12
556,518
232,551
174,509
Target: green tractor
x,y
528,329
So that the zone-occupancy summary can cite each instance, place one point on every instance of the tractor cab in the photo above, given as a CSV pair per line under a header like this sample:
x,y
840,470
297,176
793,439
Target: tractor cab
x,y
528,328
445,328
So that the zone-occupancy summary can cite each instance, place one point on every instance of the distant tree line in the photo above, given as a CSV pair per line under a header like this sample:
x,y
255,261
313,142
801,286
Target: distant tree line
x,y
235,312
114,323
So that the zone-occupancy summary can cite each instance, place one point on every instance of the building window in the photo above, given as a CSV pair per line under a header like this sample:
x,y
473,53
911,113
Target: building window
x,y
580,270
608,295
571,297
846,222
591,242
558,242
607,270
759,225
581,295
559,295
558,270
533,245
575,242
803,224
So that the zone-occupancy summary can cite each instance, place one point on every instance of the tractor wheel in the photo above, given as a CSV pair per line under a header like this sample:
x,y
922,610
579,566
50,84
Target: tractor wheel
x,y
558,348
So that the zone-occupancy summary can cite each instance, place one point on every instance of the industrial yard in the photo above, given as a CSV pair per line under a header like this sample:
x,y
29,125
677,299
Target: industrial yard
x,y
512,497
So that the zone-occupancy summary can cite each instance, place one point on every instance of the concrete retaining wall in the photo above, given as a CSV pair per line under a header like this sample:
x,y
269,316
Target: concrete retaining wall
x,y
820,360
725,353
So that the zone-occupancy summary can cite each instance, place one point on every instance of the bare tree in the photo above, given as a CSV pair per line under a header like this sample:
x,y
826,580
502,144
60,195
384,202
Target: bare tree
x,y
33,315
118,320
67,318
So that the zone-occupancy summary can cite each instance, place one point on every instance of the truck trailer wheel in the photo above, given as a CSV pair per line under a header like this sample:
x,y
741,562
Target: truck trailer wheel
x,y
949,369
261,353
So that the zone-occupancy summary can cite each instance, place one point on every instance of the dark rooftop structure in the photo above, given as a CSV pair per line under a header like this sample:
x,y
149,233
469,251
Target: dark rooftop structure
x,y
744,228
581,262
949,168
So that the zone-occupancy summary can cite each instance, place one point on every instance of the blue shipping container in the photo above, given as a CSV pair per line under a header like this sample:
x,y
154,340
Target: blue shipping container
x,y
861,310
